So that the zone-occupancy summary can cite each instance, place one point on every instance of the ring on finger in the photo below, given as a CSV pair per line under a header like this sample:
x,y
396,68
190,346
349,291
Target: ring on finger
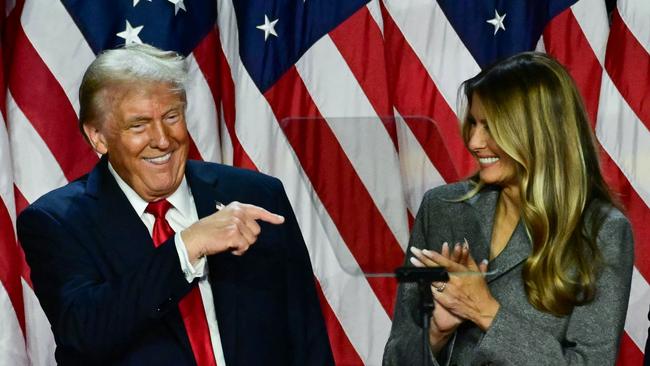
x,y
440,288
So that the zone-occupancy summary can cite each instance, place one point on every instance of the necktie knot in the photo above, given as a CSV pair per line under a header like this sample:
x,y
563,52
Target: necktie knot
x,y
161,228
158,208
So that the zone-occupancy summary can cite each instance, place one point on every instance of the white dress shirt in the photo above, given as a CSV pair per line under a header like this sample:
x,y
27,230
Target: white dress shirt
x,y
181,215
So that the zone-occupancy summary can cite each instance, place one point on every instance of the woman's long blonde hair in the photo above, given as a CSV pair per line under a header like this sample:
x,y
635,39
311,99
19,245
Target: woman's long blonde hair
x,y
536,115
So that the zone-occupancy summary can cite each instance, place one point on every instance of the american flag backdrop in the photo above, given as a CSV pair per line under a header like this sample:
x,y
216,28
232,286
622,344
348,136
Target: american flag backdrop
x,y
338,99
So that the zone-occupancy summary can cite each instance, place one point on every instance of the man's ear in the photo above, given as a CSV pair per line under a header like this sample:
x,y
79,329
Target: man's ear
x,y
96,138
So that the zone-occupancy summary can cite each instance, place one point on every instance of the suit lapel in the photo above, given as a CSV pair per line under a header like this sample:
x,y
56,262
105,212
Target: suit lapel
x,y
126,236
518,247
124,233
207,192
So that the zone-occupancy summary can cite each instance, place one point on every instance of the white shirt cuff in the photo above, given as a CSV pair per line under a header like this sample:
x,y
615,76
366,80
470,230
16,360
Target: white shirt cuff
x,y
191,272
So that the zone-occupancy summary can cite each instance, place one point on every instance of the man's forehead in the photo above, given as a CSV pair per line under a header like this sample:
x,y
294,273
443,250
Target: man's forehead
x,y
119,94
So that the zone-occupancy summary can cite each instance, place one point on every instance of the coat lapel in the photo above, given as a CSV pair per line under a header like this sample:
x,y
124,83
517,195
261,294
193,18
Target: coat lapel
x,y
518,247
207,192
124,234
123,231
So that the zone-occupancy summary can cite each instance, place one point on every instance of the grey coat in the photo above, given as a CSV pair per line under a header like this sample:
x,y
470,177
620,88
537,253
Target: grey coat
x,y
519,334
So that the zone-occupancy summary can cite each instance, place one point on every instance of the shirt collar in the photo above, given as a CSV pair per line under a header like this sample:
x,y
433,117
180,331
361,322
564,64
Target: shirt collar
x,y
180,199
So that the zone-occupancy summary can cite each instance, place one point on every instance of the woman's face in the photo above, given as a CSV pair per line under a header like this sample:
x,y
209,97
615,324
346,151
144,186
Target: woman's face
x,y
496,167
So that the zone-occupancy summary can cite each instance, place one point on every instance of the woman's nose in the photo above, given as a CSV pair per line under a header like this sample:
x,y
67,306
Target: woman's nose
x,y
477,138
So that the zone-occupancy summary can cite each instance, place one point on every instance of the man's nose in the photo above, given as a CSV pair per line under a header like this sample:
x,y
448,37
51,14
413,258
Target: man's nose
x,y
159,135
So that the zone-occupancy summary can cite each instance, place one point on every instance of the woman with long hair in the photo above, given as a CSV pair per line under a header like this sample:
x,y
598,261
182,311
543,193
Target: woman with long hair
x,y
541,269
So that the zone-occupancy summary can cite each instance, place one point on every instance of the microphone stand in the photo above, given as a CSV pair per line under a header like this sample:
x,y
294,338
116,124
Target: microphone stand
x,y
423,277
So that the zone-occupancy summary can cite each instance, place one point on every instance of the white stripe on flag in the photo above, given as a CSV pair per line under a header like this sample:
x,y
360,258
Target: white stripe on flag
x,y
6,173
418,173
636,323
31,157
40,341
201,114
428,31
591,16
226,144
12,343
635,14
624,137
365,140
59,42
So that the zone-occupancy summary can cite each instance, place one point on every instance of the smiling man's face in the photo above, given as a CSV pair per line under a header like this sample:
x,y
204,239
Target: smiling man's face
x,y
145,137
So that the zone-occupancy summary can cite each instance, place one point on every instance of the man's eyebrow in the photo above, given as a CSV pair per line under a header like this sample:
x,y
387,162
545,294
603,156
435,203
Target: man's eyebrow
x,y
138,118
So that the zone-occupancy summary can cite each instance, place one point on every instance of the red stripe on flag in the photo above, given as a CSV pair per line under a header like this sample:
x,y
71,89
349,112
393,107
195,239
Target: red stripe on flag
x,y
42,100
417,95
344,352
565,40
10,265
432,141
629,353
227,94
193,152
361,44
21,204
206,58
341,191
628,64
636,211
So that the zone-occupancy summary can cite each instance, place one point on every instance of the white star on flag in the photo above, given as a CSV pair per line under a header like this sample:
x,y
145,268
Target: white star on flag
x,y
135,2
130,34
497,21
178,4
268,27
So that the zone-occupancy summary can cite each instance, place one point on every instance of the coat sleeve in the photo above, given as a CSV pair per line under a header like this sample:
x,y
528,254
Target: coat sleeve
x,y
92,315
594,329
309,340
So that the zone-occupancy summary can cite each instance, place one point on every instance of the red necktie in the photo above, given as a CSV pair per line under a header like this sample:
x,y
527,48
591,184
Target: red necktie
x,y
191,306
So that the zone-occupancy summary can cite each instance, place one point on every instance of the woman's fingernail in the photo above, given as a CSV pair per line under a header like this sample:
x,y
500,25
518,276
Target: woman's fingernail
x,y
484,261
445,245
415,250
465,243
416,262
457,247
426,251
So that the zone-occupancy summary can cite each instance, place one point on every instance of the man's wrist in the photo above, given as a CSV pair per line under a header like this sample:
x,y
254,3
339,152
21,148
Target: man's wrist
x,y
194,251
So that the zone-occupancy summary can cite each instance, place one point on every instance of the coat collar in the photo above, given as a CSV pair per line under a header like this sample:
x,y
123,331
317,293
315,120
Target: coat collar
x,y
519,247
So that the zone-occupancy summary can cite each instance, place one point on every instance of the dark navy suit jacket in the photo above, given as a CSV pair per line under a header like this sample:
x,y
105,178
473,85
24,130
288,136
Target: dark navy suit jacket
x,y
112,297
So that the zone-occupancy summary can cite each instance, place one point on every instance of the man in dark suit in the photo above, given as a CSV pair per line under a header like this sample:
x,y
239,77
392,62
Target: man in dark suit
x,y
139,263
